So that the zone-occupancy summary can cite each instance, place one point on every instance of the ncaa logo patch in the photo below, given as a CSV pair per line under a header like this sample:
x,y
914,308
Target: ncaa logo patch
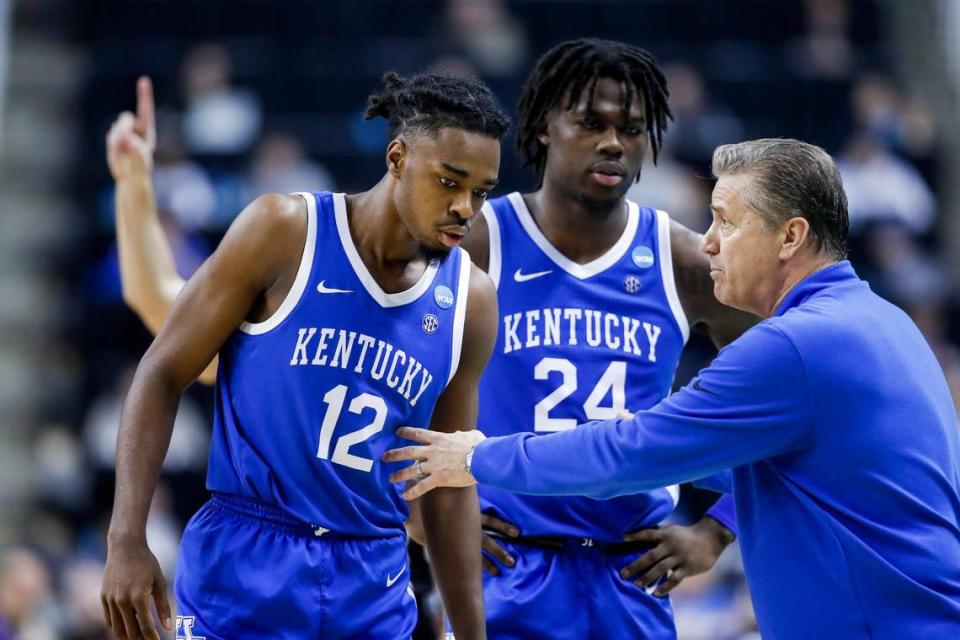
x,y
443,296
643,257
430,323
631,284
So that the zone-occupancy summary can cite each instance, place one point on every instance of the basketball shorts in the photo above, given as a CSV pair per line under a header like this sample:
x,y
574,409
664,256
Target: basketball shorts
x,y
573,593
247,570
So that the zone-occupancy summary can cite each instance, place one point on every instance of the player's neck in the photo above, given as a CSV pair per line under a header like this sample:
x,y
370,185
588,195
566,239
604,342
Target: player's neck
x,y
580,229
382,240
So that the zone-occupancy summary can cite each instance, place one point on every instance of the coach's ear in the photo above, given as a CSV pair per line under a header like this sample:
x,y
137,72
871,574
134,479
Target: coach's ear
x,y
396,155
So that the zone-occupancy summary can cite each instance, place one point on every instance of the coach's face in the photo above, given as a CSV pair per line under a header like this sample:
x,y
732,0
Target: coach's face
x,y
744,251
595,151
443,181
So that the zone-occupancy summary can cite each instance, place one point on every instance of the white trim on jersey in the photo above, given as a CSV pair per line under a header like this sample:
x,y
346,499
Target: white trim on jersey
x,y
303,274
383,298
674,491
577,270
666,272
460,313
495,261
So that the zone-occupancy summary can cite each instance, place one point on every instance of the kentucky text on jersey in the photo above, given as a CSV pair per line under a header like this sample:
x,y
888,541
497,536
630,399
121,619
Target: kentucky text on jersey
x,y
404,373
573,326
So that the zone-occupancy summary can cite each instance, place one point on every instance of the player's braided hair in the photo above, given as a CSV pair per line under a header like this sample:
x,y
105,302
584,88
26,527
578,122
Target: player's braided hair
x,y
565,70
431,101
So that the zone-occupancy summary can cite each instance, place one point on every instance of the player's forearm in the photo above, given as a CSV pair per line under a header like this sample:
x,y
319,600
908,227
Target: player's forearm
x,y
451,521
148,273
146,425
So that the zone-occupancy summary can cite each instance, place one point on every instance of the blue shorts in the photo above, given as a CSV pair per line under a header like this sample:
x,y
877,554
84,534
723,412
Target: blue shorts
x,y
575,593
247,570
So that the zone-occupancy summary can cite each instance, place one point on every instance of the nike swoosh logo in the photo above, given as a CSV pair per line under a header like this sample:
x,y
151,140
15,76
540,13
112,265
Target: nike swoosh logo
x,y
523,277
699,387
321,288
393,580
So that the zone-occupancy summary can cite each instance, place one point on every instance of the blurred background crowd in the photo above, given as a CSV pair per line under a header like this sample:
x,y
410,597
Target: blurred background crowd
x,y
268,95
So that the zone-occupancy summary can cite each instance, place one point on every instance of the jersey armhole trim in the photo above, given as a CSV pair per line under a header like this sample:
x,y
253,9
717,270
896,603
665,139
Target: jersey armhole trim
x,y
460,313
495,260
666,274
300,282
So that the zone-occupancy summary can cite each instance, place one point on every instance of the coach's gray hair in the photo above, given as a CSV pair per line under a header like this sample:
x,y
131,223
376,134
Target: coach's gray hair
x,y
791,179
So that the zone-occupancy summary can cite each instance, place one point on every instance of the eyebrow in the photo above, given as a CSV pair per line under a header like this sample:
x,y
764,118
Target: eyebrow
x,y
463,173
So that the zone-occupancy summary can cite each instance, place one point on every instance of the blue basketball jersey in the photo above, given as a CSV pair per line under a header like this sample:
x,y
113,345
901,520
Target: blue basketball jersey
x,y
579,342
308,400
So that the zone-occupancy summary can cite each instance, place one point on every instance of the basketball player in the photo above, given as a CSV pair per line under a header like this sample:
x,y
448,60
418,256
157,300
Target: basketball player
x,y
596,298
337,319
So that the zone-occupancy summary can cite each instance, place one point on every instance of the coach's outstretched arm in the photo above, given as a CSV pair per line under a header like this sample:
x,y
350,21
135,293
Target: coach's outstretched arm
x,y
451,517
147,272
753,402
252,259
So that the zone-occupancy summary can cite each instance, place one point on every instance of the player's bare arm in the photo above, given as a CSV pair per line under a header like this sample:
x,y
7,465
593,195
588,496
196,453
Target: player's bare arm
x,y
477,243
692,272
451,517
245,279
147,272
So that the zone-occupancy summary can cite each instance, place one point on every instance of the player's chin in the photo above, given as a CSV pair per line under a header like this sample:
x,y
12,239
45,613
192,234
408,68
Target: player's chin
x,y
430,251
600,193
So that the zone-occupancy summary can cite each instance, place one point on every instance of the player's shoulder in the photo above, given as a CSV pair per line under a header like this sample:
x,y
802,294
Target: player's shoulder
x,y
273,228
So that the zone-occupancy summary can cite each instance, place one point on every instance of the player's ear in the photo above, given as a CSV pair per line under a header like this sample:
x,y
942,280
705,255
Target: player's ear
x,y
396,156
542,135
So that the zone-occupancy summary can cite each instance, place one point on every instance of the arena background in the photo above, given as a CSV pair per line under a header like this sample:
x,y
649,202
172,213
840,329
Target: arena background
x,y
261,95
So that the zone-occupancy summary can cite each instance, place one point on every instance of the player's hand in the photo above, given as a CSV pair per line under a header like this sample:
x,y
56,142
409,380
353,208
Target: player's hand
x,y
133,138
131,579
492,548
680,552
442,463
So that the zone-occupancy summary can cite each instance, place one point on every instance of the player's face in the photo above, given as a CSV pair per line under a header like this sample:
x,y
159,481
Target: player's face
x,y
596,152
443,181
743,249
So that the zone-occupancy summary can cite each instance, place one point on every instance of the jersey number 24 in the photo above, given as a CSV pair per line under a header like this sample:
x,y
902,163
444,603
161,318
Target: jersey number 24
x,y
613,382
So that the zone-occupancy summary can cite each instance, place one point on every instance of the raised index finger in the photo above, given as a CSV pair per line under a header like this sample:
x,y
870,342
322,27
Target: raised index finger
x,y
424,436
146,120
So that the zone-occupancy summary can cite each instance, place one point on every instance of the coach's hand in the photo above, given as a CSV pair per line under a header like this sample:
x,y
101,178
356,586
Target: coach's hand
x,y
441,463
680,552
133,138
492,548
131,579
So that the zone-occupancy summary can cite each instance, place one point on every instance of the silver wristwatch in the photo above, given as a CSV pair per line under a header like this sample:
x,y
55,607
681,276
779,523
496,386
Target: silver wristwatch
x,y
468,461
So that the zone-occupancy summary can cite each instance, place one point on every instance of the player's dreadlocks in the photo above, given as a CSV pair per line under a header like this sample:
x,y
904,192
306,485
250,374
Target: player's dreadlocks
x,y
431,101
568,68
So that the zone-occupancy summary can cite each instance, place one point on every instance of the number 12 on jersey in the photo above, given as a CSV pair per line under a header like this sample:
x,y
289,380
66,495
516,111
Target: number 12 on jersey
x,y
341,452
613,382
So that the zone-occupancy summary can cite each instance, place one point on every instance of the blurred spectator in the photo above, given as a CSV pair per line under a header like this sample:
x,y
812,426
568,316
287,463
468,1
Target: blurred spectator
x,y
82,609
25,593
495,41
674,188
882,187
182,187
904,124
900,270
281,166
220,119
699,124
62,477
188,446
824,50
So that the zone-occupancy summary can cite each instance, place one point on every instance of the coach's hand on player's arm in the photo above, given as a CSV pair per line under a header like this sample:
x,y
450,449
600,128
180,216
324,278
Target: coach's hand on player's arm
x,y
679,552
131,580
